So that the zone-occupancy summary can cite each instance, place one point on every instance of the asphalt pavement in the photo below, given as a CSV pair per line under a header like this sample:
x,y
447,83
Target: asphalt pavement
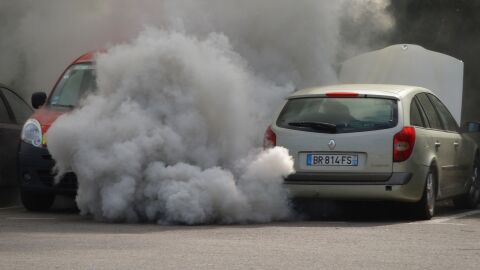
x,y
372,236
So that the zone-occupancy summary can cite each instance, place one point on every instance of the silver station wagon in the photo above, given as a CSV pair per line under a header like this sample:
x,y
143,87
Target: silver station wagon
x,y
376,142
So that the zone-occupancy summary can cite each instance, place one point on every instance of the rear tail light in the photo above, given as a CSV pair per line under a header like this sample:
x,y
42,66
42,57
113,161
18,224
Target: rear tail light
x,y
403,143
270,139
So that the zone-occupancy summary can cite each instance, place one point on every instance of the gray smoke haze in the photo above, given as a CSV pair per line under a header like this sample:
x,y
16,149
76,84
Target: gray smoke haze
x,y
173,132
286,41
39,38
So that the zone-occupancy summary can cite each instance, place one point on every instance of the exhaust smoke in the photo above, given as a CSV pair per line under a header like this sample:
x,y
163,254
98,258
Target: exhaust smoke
x,y
173,132
170,135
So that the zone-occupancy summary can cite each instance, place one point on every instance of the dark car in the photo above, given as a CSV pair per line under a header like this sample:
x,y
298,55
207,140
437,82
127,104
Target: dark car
x,y
13,113
38,187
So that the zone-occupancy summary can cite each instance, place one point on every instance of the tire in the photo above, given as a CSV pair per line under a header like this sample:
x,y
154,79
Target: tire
x,y
425,208
36,202
471,199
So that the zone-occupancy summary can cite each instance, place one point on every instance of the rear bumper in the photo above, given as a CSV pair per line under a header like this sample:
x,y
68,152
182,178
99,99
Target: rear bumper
x,y
35,172
399,186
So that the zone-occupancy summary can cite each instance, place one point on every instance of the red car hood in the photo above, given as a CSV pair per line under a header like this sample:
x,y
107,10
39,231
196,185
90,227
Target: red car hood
x,y
46,115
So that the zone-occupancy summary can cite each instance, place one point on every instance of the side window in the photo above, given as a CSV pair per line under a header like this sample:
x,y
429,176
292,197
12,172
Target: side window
x,y
430,111
445,116
416,117
4,117
20,109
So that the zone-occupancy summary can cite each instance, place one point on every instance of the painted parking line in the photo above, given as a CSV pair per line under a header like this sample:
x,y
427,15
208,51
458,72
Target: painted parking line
x,y
444,220
30,218
448,220
10,207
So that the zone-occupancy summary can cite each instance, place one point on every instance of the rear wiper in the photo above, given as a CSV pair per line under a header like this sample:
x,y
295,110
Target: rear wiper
x,y
324,126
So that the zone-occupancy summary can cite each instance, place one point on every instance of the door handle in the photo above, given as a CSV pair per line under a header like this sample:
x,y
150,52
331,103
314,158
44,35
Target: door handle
x,y
456,144
437,144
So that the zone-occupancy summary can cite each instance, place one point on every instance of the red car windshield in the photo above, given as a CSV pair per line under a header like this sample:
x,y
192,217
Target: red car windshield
x,y
76,83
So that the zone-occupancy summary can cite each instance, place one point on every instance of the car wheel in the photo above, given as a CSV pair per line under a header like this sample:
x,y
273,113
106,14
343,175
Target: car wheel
x,y
425,208
36,201
471,199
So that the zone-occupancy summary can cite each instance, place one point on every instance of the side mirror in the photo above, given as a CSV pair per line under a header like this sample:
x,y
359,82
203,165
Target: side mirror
x,y
470,127
38,99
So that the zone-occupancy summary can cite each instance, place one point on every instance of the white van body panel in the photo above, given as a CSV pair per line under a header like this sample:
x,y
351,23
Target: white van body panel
x,y
410,65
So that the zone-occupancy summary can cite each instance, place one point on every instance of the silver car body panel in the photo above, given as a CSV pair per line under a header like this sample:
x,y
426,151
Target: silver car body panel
x,y
373,179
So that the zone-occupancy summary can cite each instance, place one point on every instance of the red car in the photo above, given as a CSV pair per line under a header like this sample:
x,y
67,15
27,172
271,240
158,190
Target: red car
x,y
37,187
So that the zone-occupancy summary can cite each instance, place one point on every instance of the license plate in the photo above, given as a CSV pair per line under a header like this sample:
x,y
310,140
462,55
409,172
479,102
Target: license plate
x,y
332,160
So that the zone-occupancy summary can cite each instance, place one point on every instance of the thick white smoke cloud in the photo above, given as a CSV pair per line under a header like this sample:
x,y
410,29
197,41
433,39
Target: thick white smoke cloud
x,y
172,134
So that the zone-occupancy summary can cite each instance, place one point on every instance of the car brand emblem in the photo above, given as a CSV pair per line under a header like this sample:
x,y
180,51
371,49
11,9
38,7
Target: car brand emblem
x,y
331,144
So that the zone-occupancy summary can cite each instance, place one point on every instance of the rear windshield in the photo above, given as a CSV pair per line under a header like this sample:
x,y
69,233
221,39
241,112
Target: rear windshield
x,y
339,115
76,83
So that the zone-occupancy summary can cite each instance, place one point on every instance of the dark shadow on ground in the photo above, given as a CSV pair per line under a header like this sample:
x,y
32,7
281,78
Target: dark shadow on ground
x,y
322,210
351,211
9,196
64,204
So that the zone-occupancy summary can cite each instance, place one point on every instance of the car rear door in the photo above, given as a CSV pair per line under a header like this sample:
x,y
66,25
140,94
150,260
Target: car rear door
x,y
462,151
443,143
14,112
7,133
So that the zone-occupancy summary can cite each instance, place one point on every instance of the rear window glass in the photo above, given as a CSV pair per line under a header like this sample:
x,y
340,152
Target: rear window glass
x,y
76,83
339,115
